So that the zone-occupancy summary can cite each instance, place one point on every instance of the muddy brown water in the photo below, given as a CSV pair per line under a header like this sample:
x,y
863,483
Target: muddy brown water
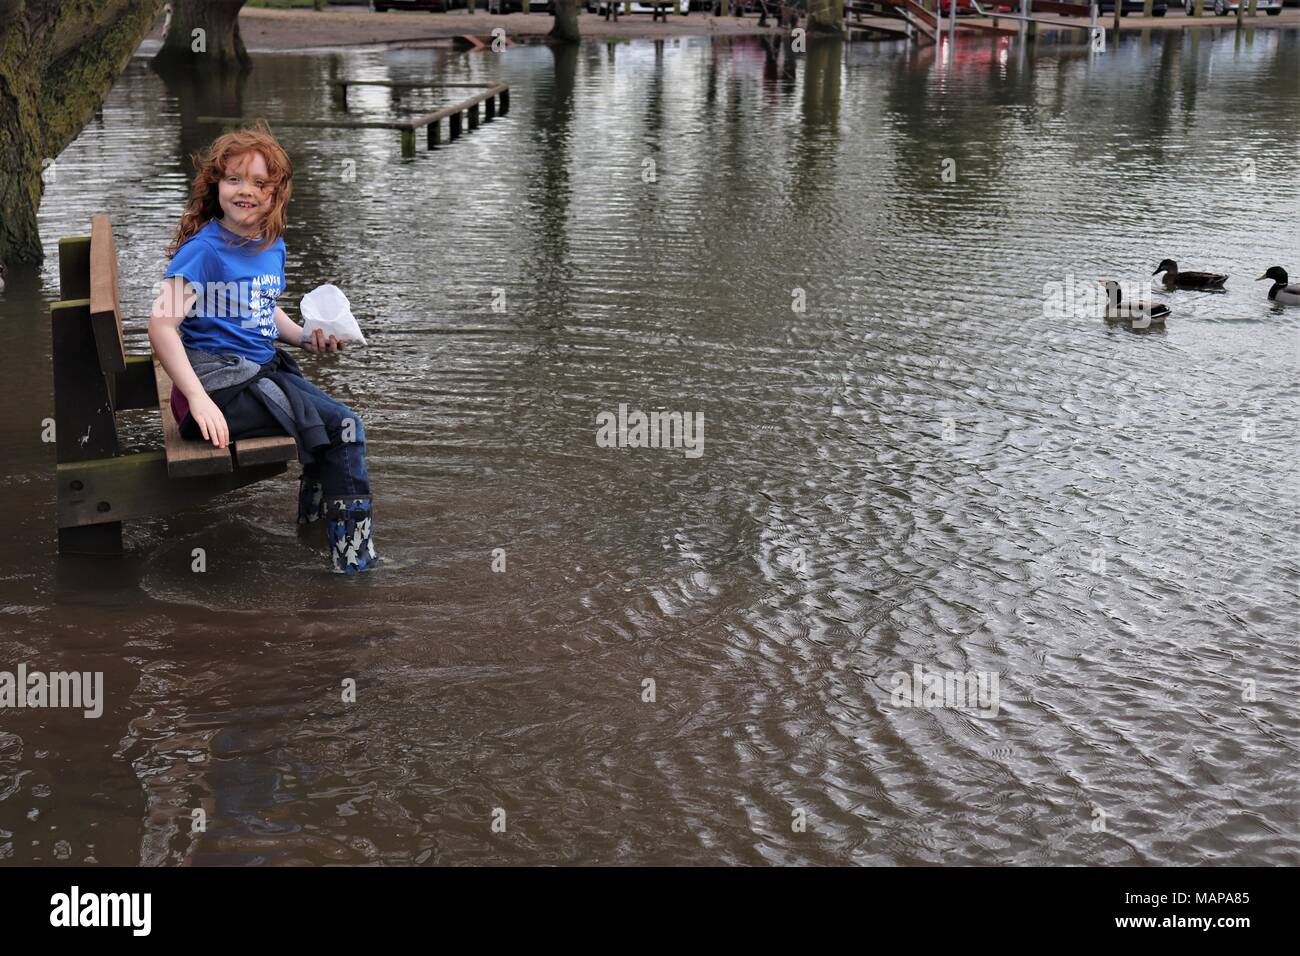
x,y
925,466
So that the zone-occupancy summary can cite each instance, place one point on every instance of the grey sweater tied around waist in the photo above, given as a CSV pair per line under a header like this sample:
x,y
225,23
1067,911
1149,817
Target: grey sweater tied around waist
x,y
254,402
223,371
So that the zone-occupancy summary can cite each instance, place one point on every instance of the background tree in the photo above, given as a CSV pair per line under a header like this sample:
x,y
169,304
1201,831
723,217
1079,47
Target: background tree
x,y
58,61
219,44
826,16
565,29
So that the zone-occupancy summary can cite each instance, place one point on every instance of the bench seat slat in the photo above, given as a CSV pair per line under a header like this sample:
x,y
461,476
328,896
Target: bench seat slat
x,y
185,458
264,451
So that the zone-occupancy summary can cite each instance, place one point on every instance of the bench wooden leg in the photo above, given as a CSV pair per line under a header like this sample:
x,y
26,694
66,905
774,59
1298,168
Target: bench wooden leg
x,y
83,409
97,539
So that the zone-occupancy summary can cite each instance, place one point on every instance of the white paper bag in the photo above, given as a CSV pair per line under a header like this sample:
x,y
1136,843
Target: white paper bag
x,y
326,308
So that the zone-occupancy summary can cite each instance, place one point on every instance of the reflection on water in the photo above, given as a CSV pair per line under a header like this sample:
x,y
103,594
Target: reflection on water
x,y
905,463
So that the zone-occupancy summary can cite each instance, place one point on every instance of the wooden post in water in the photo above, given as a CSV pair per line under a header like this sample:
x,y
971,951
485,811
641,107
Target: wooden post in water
x,y
433,134
490,109
340,95
408,143
473,116
504,96
453,126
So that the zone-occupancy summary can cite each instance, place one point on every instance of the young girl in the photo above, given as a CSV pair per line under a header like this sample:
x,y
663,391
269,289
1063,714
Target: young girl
x,y
214,325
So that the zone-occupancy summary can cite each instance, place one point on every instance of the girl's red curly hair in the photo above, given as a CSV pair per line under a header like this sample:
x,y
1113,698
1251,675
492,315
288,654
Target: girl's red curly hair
x,y
210,166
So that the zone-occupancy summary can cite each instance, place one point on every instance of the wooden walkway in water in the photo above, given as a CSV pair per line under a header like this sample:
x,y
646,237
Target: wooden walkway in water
x,y
493,101
922,21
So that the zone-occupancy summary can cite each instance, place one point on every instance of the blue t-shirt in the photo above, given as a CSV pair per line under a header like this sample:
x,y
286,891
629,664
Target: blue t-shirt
x,y
237,286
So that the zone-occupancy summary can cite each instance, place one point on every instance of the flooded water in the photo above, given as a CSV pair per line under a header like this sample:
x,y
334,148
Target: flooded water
x,y
844,261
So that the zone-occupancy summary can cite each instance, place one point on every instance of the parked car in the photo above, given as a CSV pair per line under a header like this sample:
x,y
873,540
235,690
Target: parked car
x,y
1224,7
517,6
1158,9
435,6
987,6
598,7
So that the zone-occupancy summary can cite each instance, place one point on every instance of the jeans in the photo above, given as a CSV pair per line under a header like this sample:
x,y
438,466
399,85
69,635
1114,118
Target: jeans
x,y
341,468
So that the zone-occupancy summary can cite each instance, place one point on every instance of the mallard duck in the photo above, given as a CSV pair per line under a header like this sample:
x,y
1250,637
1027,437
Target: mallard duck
x,y
1140,314
1280,291
1188,280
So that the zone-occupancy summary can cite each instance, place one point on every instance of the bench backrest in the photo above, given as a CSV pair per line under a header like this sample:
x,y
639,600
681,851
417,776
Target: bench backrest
x,y
105,308
86,396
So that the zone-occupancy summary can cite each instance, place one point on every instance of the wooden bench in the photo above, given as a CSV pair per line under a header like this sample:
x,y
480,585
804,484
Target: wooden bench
x,y
658,8
98,486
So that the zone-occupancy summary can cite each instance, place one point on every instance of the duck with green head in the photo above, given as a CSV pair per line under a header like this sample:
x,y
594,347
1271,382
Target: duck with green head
x,y
1280,291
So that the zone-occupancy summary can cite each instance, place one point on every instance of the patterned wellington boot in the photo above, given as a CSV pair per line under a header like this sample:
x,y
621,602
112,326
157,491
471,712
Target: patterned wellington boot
x,y
311,499
348,527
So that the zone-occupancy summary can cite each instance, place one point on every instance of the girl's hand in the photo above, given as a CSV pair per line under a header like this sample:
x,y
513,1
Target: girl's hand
x,y
317,342
211,422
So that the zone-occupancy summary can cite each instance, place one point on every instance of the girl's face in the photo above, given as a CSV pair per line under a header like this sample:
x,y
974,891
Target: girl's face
x,y
244,194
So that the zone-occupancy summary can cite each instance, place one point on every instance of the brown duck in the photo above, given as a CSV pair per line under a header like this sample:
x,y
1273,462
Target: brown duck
x,y
1188,280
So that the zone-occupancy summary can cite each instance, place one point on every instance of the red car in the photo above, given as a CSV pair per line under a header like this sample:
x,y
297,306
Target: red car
x,y
965,6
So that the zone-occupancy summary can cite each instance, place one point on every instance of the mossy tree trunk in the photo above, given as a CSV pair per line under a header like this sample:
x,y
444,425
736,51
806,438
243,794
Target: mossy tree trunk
x,y
58,61
565,29
205,34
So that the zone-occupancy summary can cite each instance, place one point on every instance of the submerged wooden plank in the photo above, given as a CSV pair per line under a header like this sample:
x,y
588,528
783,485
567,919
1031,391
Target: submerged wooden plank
x,y
413,85
464,105
313,124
